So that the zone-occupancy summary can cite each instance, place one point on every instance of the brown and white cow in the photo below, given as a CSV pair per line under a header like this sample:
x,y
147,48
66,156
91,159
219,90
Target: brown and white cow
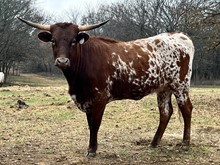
x,y
100,70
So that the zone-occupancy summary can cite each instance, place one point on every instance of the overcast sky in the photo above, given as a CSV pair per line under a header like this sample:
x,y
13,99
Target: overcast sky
x,y
59,7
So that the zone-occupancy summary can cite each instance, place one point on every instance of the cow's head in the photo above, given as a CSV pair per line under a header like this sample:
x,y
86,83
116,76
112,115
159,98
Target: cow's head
x,y
64,37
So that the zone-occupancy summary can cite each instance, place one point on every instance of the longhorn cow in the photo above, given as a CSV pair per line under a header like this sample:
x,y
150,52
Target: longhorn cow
x,y
99,70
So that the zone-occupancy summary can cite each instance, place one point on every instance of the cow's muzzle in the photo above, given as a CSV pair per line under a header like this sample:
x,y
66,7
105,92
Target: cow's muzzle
x,y
62,62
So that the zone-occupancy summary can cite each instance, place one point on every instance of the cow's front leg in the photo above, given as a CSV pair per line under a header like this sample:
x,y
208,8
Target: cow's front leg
x,y
94,118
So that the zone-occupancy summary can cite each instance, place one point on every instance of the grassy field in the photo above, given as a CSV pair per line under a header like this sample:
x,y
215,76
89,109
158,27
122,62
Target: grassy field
x,y
52,131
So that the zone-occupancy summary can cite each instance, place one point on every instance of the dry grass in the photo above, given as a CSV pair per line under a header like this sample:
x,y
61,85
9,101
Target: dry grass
x,y
53,131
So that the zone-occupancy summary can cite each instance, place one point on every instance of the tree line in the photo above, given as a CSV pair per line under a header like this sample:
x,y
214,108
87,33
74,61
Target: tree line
x,y
129,20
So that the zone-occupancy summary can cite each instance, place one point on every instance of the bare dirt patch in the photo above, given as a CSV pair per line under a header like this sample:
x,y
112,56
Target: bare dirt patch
x,y
52,131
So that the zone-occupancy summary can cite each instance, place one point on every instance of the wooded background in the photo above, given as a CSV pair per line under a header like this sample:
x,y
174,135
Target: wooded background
x,y
21,51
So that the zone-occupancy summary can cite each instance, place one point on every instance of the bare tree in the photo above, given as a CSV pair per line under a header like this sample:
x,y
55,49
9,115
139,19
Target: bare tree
x,y
129,20
16,40
73,15
132,19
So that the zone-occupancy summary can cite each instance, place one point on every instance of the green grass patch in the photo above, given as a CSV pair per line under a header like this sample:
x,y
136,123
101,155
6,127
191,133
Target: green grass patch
x,y
52,130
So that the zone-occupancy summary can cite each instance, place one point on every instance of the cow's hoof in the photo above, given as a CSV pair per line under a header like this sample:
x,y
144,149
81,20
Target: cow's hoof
x,y
183,146
90,154
153,145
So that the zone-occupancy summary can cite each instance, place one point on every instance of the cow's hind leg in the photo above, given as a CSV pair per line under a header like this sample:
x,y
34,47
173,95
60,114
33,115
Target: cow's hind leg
x,y
185,107
166,110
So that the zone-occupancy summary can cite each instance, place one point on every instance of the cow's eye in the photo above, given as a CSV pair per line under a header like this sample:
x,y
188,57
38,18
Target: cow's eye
x,y
73,42
53,42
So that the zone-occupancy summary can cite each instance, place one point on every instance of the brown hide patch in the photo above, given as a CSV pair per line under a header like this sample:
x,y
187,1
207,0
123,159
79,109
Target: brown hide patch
x,y
139,63
172,33
183,38
183,64
157,41
149,48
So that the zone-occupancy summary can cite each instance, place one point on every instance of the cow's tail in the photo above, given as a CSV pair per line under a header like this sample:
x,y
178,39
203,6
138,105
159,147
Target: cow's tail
x,y
191,55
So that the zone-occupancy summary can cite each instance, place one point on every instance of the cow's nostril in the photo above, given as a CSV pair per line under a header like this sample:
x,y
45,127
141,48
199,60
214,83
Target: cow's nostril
x,y
58,61
66,61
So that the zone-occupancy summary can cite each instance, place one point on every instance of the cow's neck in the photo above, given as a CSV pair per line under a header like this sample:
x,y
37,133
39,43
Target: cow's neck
x,y
76,76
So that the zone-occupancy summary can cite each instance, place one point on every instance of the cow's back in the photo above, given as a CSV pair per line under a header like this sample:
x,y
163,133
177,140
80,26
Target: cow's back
x,y
146,65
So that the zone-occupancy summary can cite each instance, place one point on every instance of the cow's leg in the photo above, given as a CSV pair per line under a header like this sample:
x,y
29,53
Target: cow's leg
x,y
185,107
94,118
166,110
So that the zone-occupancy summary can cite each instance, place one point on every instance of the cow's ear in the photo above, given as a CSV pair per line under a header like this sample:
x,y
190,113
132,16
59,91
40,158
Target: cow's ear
x,y
45,36
82,38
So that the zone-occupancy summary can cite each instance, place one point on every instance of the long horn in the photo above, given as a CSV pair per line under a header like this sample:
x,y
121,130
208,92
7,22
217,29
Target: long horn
x,y
36,25
90,27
